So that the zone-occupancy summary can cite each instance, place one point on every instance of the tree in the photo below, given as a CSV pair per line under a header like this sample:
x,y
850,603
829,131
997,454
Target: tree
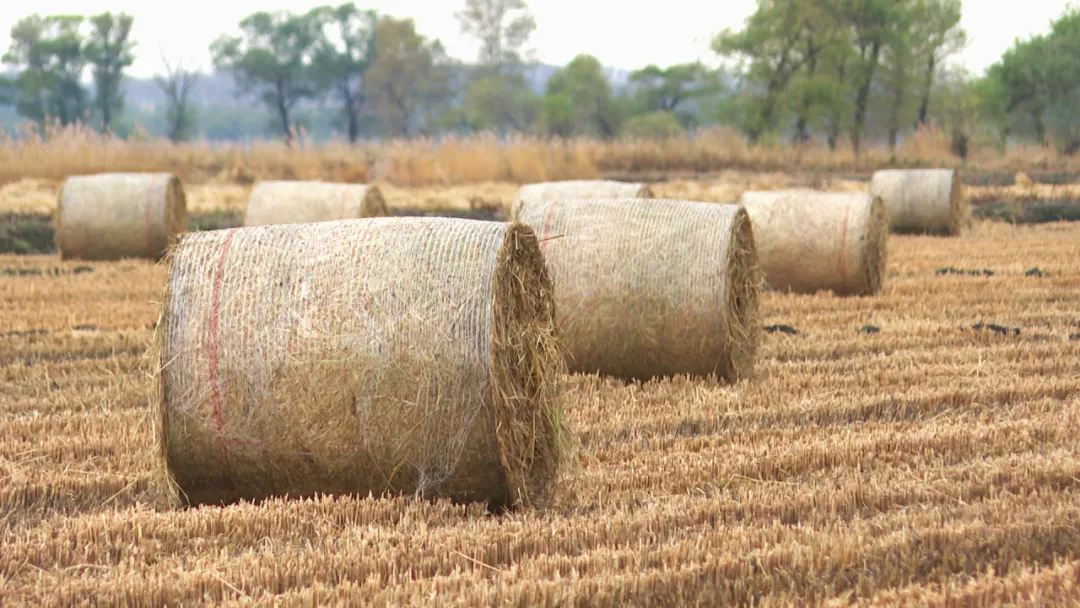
x,y
583,85
109,50
897,67
272,60
823,46
407,78
497,95
176,85
48,52
502,26
936,34
771,44
344,51
667,91
875,24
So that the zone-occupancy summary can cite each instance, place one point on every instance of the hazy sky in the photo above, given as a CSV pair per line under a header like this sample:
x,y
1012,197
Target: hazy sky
x,y
671,31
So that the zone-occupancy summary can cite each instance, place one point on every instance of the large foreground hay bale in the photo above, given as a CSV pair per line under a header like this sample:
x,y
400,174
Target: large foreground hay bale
x,y
299,202
110,216
398,355
809,240
648,287
927,201
581,189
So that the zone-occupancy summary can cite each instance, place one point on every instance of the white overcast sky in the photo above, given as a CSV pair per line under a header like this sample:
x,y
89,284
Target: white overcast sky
x,y
621,36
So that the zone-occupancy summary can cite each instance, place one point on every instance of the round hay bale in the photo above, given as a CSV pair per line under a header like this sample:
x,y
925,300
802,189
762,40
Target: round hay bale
x,y
582,189
929,201
809,240
298,202
111,216
387,355
647,287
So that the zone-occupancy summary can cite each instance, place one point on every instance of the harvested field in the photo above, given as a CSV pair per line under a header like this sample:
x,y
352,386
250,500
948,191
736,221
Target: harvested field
x,y
906,447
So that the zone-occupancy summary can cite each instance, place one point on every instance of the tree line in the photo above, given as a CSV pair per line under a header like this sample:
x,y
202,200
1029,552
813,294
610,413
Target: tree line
x,y
797,70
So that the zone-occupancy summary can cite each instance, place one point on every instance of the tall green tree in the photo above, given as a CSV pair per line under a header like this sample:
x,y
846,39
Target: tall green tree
x,y
771,45
818,88
109,50
875,24
502,27
272,61
670,90
497,94
936,35
48,53
407,81
177,84
583,87
344,51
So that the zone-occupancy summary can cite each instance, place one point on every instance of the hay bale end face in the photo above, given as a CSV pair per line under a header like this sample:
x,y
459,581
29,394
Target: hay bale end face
x,y
922,201
582,189
809,241
111,216
388,355
299,202
648,288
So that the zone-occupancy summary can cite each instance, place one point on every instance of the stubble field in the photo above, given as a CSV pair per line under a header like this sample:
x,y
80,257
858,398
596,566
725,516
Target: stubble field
x,y
922,445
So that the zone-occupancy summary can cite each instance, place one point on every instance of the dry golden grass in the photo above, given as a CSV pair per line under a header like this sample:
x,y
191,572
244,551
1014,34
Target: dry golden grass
x,y
60,152
927,463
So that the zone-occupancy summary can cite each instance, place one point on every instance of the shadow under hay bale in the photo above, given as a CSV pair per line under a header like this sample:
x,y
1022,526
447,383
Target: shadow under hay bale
x,y
298,202
111,216
809,241
922,201
582,189
387,355
648,288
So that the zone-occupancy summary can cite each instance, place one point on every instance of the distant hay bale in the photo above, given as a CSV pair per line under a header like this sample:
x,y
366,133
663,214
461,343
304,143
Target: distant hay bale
x,y
927,201
388,355
111,216
647,287
300,202
582,189
809,240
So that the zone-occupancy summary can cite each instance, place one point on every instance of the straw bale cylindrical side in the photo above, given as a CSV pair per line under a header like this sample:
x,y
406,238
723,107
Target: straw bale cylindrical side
x,y
582,189
647,287
111,216
929,201
388,355
300,202
809,241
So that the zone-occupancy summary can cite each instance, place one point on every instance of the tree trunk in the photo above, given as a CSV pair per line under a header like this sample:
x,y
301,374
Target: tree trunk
x,y
862,97
283,112
928,83
351,110
802,132
106,107
1040,126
